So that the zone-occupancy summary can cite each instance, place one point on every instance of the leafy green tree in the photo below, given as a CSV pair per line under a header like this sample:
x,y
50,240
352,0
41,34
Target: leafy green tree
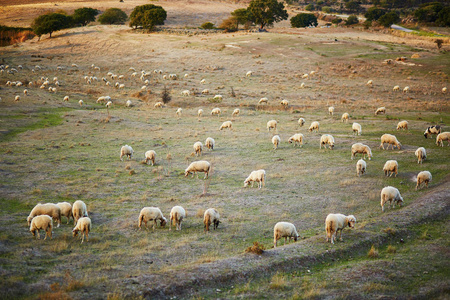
x,y
309,7
353,6
113,16
428,12
147,16
327,9
444,17
241,16
50,23
351,20
266,12
303,20
374,13
84,16
389,19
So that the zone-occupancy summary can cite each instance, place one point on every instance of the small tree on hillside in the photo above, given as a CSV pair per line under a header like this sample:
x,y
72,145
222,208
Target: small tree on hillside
x,y
84,16
388,19
50,23
374,13
303,20
113,16
240,16
266,12
147,16
351,20
165,96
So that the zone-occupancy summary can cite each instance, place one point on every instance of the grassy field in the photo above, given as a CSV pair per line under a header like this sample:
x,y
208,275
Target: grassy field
x,y
56,151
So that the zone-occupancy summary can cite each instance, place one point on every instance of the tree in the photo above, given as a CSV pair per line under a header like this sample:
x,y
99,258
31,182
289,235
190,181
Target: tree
x,y
444,17
374,13
207,25
304,20
147,16
50,23
353,6
84,16
241,16
389,19
309,7
113,16
266,12
352,19
429,12
229,25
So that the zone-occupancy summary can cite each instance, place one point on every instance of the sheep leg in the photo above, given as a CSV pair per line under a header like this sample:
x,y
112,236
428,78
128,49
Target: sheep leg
x,y
82,237
87,236
37,233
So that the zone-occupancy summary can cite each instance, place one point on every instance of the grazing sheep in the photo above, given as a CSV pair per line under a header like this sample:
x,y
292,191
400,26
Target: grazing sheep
x,y
380,110
200,112
84,226
284,102
79,210
314,126
158,105
48,209
177,214
296,138
421,154
331,110
303,85
356,127
402,125
390,167
396,88
25,92
369,83
423,177
128,103
444,136
435,129
392,195
249,73
211,216
209,143
17,98
263,100
337,222
301,122
198,148
326,139
363,149
444,90
103,99
151,214
205,92
345,117
390,140
361,167
43,222
256,176
203,81
66,210
216,111
66,98
179,111
276,141
109,104
226,124
186,93
236,112
81,102
198,166
150,155
272,124
406,89
286,230
126,151
218,98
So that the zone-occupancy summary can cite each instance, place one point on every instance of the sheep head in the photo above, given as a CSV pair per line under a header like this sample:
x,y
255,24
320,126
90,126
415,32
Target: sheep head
x,y
351,221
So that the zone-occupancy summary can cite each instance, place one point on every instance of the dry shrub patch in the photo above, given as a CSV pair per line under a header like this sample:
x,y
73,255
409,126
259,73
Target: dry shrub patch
x,y
257,248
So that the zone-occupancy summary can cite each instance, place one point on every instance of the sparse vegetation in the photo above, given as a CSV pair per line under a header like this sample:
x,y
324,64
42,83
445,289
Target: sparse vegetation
x,y
113,16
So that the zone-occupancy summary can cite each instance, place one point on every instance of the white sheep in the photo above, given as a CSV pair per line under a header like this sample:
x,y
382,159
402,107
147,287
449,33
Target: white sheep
x,y
369,83
79,210
198,148
126,151
301,122
43,222
128,103
361,148
276,141
286,230
396,88
49,209
314,126
25,92
423,177
356,127
209,143
66,98
226,124
150,155
179,111
185,93
158,105
406,89
284,102
218,97
103,99
84,225
390,167
249,73
256,176
200,112
81,102
392,195
444,90
345,117
66,210
421,154
205,92
441,137
402,125
211,216
236,112
216,111
296,138
331,110
390,140
361,167
109,104
303,85
198,166
263,100
326,139
337,222
380,110
153,214
17,98
272,124
435,129
177,214
203,81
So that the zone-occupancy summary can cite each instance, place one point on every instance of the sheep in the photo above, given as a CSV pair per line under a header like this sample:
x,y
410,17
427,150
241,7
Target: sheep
x,y
226,124
198,166
421,154
177,214
256,176
109,104
423,177
66,98
103,99
249,73
286,230
390,140
81,102
48,209
179,111
200,112
361,167
216,111
296,138
390,167
369,83
25,92
392,195
66,210
331,110
337,222
380,110
272,124
158,105
444,90
205,92
284,102
301,122
128,103
218,97
363,149
345,117
305,76
126,151
356,127
435,129
209,143
173,76
236,112
211,216
151,214
327,139
263,100
43,222
396,88
303,85
84,226
402,125
198,148
17,98
444,136
276,141
406,89
150,155
314,126
79,210
203,81
185,93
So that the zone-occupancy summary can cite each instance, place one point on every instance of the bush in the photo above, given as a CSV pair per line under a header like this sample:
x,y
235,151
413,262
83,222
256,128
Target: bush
x,y
208,25
50,23
165,96
389,19
374,13
229,25
336,21
85,15
327,9
303,20
351,20
147,16
257,248
113,16
309,7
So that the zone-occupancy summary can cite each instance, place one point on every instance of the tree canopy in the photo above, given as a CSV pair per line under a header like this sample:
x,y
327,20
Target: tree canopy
x,y
304,20
374,13
240,16
266,12
113,16
388,19
84,16
50,23
147,16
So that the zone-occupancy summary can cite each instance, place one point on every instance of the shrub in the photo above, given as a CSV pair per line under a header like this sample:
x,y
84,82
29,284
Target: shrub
x,y
85,15
50,23
207,25
257,248
165,96
373,252
309,7
389,19
391,249
327,9
352,19
113,16
304,20
229,25
147,16
374,13
336,21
